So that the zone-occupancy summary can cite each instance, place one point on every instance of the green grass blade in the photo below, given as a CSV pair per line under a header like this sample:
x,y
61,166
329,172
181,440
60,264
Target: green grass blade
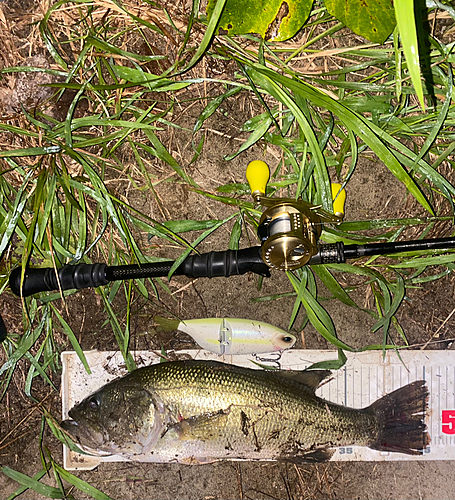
x,y
268,82
333,286
208,35
442,115
38,151
120,338
80,484
32,483
331,364
212,106
236,233
406,21
196,242
25,343
36,477
373,136
9,224
72,338
253,138
317,314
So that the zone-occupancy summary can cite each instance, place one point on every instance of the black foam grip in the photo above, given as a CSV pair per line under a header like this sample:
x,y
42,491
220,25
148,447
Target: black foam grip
x,y
45,279
226,263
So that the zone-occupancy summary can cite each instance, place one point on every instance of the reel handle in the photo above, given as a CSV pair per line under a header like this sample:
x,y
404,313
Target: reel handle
x,y
339,198
258,175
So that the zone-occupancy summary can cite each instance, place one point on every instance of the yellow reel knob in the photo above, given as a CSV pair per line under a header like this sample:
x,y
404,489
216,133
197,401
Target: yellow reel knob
x,y
257,175
338,202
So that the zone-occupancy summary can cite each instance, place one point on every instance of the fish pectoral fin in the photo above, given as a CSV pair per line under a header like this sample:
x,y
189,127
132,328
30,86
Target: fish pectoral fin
x,y
309,378
201,427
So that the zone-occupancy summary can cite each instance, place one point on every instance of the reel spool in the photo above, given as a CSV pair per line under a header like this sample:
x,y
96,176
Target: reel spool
x,y
289,229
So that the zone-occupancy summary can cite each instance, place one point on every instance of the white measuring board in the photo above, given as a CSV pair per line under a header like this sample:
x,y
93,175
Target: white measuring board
x,y
365,378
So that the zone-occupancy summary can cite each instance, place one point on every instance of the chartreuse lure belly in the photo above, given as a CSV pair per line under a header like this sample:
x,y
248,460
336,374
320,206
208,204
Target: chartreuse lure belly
x,y
231,335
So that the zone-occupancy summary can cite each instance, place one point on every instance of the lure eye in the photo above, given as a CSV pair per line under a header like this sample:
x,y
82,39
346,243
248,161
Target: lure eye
x,y
284,341
94,403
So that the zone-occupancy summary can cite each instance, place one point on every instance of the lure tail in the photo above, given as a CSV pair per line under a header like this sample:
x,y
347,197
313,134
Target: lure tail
x,y
165,324
401,417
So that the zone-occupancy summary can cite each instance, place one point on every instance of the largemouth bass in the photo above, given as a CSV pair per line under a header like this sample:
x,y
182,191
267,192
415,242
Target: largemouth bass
x,y
200,411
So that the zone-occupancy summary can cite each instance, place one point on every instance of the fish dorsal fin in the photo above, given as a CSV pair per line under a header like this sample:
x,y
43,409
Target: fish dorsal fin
x,y
309,378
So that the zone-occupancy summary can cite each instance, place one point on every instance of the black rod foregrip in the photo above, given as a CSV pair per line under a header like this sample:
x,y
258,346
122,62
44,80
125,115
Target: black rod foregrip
x,y
208,265
226,263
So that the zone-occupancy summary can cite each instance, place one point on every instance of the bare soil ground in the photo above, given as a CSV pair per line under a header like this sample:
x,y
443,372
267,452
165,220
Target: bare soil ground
x,y
373,193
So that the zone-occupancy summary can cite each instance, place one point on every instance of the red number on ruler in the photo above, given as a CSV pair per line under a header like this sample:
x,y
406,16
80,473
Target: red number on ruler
x,y
448,421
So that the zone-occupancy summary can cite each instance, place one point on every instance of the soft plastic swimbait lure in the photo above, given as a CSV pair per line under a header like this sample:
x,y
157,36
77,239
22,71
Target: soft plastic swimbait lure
x,y
231,335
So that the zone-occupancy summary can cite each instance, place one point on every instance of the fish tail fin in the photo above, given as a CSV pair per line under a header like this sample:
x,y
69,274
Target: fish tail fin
x,y
401,417
165,324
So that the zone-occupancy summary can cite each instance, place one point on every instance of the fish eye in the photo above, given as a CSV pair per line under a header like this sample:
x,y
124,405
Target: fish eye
x,y
288,339
94,403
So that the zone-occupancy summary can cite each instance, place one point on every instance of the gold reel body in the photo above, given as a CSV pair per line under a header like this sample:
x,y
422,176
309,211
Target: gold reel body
x,y
289,229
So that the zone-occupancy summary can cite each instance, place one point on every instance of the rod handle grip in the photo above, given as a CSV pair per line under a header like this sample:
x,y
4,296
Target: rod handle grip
x,y
45,279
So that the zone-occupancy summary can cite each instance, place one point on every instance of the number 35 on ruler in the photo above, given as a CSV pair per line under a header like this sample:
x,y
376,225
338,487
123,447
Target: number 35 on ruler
x,y
448,421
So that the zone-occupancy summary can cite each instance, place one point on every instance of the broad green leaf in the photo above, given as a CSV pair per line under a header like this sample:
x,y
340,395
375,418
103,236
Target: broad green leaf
x,y
372,19
275,20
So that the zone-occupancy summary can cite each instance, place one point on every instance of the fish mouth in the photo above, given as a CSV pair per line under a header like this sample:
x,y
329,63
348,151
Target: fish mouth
x,y
73,429
82,435
70,427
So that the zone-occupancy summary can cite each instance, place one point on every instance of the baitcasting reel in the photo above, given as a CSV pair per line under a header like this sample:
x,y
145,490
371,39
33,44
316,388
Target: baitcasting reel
x,y
289,229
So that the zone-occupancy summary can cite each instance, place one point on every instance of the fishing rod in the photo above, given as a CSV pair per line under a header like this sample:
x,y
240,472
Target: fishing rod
x,y
289,231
